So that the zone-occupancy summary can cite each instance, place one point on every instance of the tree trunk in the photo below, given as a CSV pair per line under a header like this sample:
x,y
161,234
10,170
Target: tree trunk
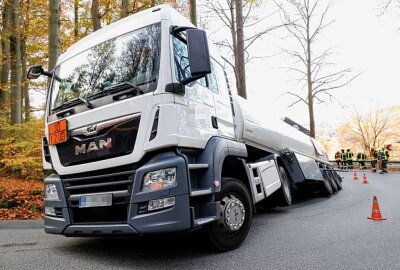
x,y
240,68
153,3
124,8
25,85
193,12
15,65
76,19
5,55
54,32
94,12
234,43
309,82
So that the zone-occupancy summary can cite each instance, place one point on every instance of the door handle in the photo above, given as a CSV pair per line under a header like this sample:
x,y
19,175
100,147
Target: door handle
x,y
214,122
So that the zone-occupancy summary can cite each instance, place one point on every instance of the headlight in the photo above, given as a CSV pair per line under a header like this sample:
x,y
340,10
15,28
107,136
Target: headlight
x,y
158,180
50,211
51,192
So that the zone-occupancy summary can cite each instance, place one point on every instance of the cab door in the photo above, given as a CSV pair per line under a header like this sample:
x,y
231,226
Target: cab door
x,y
218,83
197,105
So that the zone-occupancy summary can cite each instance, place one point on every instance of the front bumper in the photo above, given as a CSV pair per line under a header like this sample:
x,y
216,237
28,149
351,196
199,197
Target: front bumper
x,y
176,218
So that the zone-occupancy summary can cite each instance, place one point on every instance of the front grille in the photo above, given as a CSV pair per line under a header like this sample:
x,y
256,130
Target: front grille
x,y
113,141
119,183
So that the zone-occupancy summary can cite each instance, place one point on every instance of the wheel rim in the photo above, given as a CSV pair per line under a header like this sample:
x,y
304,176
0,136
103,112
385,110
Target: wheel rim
x,y
233,213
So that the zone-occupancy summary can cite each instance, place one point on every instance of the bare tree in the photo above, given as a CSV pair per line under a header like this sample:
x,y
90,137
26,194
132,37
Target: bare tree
x,y
193,11
370,130
240,65
386,5
305,20
241,37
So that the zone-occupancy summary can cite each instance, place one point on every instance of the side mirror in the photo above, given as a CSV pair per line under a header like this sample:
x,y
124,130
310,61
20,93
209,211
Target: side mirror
x,y
35,71
199,55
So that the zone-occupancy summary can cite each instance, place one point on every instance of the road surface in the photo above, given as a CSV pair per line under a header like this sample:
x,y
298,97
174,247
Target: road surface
x,y
314,233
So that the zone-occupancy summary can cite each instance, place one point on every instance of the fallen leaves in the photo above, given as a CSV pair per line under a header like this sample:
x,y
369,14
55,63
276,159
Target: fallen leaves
x,y
21,199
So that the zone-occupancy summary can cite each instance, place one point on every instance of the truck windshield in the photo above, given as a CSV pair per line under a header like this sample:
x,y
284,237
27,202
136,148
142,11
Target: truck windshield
x,y
133,58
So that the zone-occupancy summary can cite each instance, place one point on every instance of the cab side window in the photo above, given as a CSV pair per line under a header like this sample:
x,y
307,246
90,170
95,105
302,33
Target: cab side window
x,y
222,80
181,62
212,78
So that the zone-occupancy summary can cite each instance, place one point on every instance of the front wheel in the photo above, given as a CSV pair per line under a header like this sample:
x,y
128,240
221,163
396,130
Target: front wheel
x,y
229,232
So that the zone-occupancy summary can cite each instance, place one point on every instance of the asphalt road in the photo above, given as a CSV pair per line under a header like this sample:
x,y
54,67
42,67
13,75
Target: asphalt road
x,y
314,233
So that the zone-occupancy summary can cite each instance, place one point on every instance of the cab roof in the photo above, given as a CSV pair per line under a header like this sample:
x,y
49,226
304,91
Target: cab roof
x,y
136,21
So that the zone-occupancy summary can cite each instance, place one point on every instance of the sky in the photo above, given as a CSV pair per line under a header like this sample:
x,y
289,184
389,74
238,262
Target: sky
x,y
362,40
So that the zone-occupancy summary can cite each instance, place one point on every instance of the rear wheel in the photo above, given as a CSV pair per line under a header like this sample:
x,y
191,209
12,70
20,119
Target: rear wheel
x,y
231,229
284,193
325,187
332,180
337,178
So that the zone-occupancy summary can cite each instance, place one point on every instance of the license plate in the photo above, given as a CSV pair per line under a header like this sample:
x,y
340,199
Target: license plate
x,y
95,200
58,132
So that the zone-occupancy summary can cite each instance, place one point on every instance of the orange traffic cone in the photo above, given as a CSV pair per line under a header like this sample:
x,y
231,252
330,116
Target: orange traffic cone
x,y
376,212
365,181
355,177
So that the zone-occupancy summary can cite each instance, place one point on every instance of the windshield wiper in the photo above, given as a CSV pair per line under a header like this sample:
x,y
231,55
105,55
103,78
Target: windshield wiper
x,y
74,102
121,87
116,88
87,103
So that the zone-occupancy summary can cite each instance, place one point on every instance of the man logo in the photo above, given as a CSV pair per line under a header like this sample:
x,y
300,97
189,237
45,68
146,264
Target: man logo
x,y
92,129
93,147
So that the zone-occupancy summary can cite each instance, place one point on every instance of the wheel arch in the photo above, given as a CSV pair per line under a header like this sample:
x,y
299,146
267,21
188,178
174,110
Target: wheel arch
x,y
219,154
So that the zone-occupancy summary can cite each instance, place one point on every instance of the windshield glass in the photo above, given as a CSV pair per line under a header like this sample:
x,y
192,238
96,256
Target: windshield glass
x,y
132,58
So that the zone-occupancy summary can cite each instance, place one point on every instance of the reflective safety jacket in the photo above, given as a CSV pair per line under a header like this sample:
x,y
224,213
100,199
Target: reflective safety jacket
x,y
373,155
349,155
361,157
383,155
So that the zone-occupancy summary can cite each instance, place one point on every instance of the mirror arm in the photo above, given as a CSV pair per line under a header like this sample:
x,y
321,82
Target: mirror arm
x,y
51,74
177,29
191,79
47,73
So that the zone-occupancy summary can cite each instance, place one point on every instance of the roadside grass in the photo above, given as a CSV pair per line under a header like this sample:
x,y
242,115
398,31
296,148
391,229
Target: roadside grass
x,y
21,199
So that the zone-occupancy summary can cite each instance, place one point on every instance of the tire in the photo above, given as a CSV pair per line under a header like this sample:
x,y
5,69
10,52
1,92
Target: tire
x,y
224,234
325,187
284,194
332,180
336,176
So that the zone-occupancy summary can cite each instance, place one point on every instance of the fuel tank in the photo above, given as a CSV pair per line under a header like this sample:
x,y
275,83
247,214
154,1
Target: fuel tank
x,y
265,131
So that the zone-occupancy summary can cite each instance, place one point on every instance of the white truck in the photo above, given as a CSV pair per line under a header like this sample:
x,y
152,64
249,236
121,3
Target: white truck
x,y
144,135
